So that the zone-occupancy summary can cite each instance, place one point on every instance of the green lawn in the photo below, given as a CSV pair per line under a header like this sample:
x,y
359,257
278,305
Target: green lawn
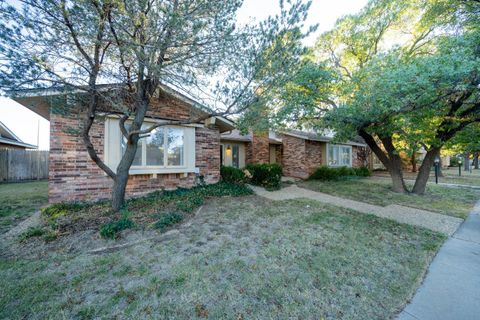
x,y
239,258
19,200
449,201
467,178
450,175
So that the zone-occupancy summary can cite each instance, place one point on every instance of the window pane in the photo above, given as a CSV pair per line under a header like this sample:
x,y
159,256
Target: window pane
x,y
175,146
333,156
346,156
155,147
137,161
235,156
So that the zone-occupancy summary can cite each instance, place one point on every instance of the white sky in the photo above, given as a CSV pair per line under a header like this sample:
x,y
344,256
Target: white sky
x,y
25,123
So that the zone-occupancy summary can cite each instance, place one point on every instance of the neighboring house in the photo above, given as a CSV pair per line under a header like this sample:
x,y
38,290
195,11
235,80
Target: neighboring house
x,y
8,140
299,152
172,156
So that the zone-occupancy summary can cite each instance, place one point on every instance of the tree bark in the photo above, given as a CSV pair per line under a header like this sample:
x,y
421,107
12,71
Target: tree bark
x,y
466,161
424,171
475,160
391,160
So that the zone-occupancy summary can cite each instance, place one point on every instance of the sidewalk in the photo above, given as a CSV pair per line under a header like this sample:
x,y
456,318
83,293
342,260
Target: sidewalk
x,y
451,289
430,220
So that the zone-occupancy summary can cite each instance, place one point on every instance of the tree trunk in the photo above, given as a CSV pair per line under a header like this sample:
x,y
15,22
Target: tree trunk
x,y
440,164
413,160
398,184
475,160
123,168
466,161
424,172
392,162
118,192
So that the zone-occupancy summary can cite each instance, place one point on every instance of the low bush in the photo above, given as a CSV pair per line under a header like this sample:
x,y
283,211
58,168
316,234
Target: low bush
x,y
454,161
189,203
327,173
265,175
232,175
111,230
166,220
363,172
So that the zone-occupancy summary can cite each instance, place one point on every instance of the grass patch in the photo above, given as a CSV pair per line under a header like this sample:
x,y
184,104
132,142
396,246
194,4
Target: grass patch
x,y
19,200
32,232
241,258
449,201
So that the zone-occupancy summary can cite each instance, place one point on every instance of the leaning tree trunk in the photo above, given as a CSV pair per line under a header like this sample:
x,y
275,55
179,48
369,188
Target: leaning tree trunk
x,y
123,168
424,171
398,184
413,160
391,160
121,179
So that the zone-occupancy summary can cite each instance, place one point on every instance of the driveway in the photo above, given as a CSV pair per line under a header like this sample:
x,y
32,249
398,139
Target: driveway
x,y
451,289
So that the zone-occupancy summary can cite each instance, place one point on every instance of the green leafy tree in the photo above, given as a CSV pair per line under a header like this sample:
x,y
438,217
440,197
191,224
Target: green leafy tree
x,y
76,46
400,73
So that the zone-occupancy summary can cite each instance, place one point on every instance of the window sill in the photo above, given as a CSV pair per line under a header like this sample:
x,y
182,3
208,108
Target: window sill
x,y
340,165
160,170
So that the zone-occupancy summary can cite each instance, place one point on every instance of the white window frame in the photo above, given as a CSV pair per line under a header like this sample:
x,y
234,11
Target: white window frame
x,y
113,149
339,146
165,150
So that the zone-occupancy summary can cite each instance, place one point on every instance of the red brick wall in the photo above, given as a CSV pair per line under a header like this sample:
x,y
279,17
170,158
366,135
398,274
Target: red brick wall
x,y
313,156
278,154
260,148
73,176
361,156
293,157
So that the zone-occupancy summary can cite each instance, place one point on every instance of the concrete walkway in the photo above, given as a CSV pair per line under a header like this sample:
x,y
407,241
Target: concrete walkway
x,y
433,221
451,289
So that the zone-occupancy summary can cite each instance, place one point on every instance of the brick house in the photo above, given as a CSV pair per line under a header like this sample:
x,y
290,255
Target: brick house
x,y
170,157
298,152
8,140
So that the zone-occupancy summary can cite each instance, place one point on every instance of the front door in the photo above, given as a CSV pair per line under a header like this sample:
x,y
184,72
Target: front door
x,y
273,154
230,155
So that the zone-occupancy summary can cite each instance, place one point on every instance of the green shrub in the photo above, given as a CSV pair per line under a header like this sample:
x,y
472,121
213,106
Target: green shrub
x,y
265,175
189,203
454,161
225,189
31,233
111,230
232,175
58,210
326,173
363,172
166,220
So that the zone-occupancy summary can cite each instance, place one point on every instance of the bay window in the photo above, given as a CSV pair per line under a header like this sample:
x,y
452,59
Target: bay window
x,y
339,155
166,149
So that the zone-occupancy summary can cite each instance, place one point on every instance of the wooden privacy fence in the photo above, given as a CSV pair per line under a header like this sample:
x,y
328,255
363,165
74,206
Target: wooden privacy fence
x,y
19,165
